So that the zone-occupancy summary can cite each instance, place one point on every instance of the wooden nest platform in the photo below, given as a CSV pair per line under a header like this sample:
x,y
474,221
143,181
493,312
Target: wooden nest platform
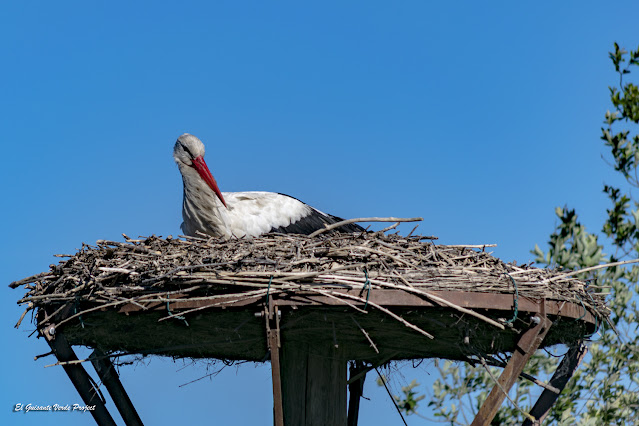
x,y
376,296
309,304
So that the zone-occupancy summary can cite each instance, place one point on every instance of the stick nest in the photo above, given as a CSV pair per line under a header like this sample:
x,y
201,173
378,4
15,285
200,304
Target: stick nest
x,y
112,274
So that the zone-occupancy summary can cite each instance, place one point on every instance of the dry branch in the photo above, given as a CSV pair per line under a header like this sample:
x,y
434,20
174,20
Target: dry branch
x,y
365,219
388,312
593,268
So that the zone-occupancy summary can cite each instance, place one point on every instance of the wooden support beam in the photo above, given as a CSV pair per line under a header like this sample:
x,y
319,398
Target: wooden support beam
x,y
78,375
273,338
355,390
564,372
106,371
385,297
313,384
527,345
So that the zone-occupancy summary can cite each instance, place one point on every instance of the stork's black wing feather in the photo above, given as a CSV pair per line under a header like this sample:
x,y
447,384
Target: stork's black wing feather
x,y
315,221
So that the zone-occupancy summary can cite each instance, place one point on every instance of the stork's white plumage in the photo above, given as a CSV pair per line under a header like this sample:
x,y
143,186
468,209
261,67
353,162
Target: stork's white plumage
x,y
238,214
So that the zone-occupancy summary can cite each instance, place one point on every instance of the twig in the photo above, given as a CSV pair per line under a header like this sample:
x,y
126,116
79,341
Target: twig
x,y
29,307
297,276
381,253
411,232
372,367
120,270
393,226
37,357
391,397
31,279
502,364
386,311
328,294
365,334
257,293
75,361
592,268
501,388
398,275
450,305
364,219
481,246
119,302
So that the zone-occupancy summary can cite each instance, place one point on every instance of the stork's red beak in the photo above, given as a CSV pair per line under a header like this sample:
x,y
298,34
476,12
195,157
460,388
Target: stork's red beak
x,y
200,165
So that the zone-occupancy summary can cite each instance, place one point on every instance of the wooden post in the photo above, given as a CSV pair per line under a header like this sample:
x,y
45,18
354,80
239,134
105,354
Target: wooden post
x,y
564,372
355,390
78,375
527,345
105,369
313,384
273,339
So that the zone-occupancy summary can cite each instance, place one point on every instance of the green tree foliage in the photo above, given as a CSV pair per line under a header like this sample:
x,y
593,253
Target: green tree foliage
x,y
605,389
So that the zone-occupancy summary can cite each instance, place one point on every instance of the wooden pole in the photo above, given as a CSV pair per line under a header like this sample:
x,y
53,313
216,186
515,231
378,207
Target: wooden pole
x,y
313,384
105,369
78,375
355,390
273,338
527,345
564,372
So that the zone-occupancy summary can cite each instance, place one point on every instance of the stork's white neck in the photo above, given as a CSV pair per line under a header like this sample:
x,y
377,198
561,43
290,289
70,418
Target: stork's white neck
x,y
201,209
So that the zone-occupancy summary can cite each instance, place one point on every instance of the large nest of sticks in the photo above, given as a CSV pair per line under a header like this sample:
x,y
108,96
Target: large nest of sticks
x,y
375,296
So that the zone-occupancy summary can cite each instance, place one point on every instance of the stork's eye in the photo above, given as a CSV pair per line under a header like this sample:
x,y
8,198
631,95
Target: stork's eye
x,y
187,150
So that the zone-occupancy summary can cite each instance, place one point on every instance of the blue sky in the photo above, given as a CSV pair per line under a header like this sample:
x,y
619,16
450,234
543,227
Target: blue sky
x,y
479,117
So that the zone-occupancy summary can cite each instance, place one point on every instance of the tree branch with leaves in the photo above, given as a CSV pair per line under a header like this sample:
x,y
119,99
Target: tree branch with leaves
x,y
605,390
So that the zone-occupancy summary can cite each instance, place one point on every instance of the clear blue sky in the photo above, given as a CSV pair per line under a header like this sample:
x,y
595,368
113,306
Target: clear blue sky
x,y
479,117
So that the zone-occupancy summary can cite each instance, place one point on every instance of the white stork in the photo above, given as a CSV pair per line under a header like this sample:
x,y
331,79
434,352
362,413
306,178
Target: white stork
x,y
237,214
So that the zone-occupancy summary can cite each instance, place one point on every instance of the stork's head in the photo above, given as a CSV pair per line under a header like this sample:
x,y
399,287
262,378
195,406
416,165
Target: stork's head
x,y
189,152
187,148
